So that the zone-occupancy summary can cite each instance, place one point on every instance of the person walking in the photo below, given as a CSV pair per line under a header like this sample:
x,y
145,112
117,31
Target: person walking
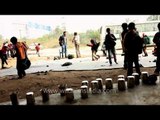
x,y
21,55
37,47
3,56
110,46
94,47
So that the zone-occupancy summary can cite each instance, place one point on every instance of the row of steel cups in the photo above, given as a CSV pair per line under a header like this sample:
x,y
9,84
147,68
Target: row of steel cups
x,y
95,85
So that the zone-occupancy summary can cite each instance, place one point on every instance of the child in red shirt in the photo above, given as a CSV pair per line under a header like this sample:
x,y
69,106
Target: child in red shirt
x,y
94,47
3,56
38,49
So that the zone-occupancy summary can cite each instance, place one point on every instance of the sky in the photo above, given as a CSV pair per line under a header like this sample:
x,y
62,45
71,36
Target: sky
x,y
14,25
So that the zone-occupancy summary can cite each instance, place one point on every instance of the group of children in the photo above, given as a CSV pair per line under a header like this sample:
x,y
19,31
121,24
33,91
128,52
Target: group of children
x,y
6,51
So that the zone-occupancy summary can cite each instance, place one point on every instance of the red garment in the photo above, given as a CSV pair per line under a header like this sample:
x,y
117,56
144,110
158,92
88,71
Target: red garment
x,y
4,50
37,47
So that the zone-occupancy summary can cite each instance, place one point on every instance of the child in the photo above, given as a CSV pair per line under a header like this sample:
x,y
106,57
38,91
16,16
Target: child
x,y
94,47
37,49
3,56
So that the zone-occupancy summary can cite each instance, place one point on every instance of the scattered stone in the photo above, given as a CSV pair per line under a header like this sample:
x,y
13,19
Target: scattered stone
x,y
46,72
67,64
70,56
38,73
57,58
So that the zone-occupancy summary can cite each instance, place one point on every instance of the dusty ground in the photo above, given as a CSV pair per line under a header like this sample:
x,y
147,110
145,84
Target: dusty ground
x,y
35,82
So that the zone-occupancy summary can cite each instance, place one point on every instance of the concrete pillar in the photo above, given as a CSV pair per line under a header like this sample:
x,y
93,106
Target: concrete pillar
x,y
136,76
85,82
145,77
30,98
130,81
62,88
84,91
108,83
14,98
94,86
69,94
100,84
120,76
121,84
45,94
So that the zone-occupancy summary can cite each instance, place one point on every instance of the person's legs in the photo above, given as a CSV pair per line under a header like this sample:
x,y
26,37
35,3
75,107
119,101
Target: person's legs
x,y
2,63
19,69
157,64
137,67
23,73
109,56
62,47
125,60
65,50
144,50
19,72
130,65
38,54
114,55
3,58
92,55
95,56
78,51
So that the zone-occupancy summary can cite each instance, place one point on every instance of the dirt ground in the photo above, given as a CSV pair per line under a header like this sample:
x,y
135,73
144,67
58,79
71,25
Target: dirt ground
x,y
36,81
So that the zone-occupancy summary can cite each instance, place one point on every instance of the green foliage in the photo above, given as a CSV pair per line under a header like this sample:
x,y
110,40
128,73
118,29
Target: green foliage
x,y
51,40
90,34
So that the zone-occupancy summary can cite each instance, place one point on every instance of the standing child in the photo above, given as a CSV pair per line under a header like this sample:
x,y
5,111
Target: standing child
x,y
94,47
37,49
3,56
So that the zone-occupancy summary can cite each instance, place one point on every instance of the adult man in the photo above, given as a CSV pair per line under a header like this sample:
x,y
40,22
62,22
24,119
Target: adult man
x,y
110,45
156,40
133,47
63,44
76,41
20,53
125,30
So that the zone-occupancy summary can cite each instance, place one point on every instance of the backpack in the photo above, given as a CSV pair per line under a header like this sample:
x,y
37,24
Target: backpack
x,y
139,44
151,80
26,63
